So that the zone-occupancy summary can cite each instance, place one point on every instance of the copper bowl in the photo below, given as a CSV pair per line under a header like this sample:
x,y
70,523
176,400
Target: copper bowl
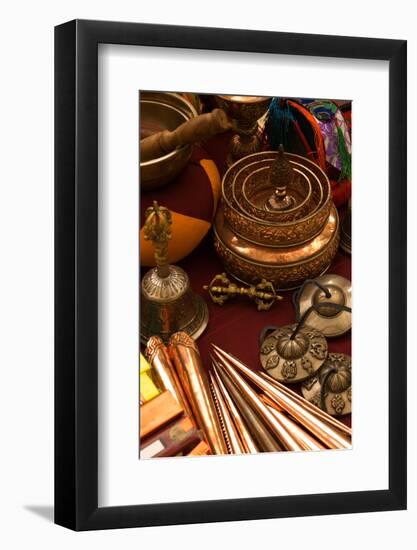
x,y
287,267
163,111
259,230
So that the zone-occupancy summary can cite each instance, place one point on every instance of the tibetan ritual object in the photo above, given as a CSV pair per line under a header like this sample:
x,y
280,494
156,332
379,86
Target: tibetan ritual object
x,y
333,289
245,111
331,387
276,220
323,427
194,380
263,294
168,304
159,112
293,353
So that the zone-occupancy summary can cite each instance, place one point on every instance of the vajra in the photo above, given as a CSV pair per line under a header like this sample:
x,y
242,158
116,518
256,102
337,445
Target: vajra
x,y
221,289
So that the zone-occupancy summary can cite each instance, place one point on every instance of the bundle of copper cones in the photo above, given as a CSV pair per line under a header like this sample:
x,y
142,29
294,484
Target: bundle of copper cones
x,y
238,410
259,414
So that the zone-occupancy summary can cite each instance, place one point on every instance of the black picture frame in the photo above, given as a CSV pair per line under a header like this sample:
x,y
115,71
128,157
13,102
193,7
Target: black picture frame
x,y
76,270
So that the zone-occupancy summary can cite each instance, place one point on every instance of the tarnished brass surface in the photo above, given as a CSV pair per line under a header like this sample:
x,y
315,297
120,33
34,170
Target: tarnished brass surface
x,y
331,387
168,304
163,111
221,289
193,377
292,357
245,112
284,267
329,321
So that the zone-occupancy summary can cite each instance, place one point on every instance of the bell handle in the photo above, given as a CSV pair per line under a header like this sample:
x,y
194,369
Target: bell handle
x,y
157,229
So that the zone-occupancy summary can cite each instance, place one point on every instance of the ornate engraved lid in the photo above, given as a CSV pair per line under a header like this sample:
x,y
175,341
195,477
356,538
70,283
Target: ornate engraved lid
x,y
331,387
292,353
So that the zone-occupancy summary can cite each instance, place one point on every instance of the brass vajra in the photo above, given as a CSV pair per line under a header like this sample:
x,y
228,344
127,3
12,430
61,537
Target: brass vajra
x,y
221,289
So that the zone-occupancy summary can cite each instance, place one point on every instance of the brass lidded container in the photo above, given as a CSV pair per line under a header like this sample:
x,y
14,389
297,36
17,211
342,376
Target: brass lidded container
x,y
276,220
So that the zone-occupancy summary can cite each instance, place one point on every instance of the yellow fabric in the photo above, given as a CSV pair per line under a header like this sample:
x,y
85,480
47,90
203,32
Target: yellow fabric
x,y
148,390
187,233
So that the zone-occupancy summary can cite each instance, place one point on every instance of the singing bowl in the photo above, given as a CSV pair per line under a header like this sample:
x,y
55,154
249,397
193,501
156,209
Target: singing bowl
x,y
277,233
163,111
286,267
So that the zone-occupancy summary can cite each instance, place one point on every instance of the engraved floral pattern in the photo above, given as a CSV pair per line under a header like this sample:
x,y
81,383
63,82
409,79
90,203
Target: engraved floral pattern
x,y
307,365
272,362
289,370
338,403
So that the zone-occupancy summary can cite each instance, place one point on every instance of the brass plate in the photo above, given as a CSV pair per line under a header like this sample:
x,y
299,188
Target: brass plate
x,y
293,361
328,322
339,401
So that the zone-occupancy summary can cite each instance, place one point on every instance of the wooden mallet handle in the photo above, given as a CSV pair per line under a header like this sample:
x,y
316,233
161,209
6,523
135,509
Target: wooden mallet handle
x,y
196,129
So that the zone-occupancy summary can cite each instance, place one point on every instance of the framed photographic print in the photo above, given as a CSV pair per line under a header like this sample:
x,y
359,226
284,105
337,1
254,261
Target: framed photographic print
x,y
230,275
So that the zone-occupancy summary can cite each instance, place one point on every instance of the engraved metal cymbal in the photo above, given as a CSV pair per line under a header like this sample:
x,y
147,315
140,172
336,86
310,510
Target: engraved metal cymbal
x,y
291,355
329,321
331,387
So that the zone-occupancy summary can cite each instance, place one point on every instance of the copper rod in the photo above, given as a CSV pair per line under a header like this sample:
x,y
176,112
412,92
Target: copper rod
x,y
310,406
193,377
166,377
321,429
259,431
232,438
314,410
286,440
305,440
245,436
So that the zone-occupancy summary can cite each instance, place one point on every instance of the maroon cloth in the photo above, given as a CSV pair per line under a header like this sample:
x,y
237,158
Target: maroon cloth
x,y
236,325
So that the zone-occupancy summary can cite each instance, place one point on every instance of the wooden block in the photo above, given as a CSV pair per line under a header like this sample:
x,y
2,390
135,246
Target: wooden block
x,y
159,411
175,439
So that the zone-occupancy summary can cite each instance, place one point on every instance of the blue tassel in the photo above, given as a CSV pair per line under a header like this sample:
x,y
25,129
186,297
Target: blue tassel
x,y
278,122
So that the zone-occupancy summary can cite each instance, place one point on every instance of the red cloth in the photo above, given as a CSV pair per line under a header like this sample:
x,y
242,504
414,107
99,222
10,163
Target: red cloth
x,y
236,325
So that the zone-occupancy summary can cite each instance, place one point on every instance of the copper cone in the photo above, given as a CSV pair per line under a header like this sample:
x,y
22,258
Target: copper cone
x,y
316,424
303,438
230,432
274,424
167,378
265,441
245,436
187,361
309,406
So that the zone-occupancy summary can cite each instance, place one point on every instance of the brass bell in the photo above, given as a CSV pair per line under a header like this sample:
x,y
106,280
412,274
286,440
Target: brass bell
x,y
168,303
